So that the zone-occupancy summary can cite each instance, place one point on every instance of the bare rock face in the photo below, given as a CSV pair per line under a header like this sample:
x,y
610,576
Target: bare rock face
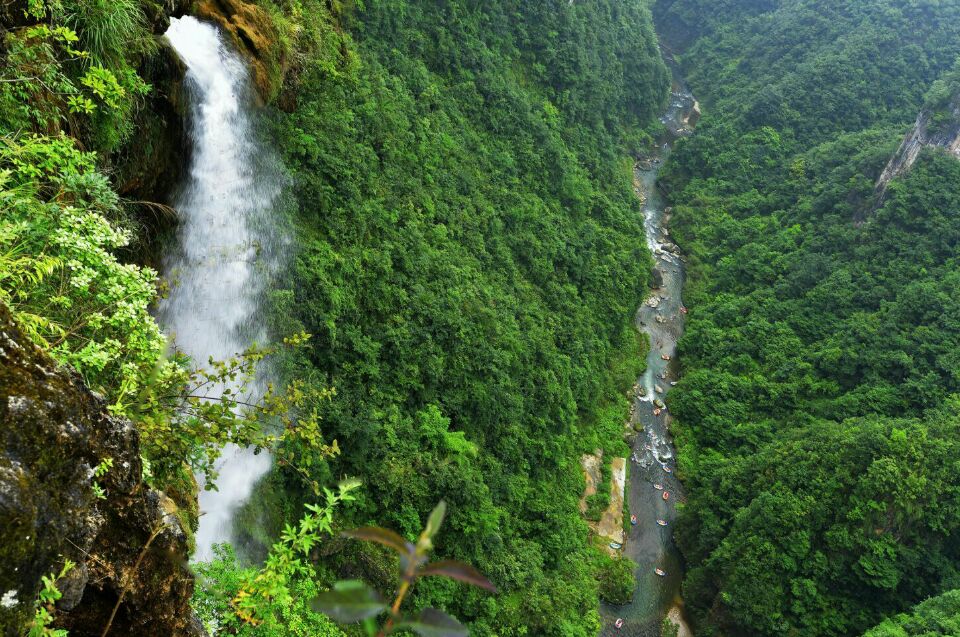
x,y
253,31
158,13
937,130
53,432
694,115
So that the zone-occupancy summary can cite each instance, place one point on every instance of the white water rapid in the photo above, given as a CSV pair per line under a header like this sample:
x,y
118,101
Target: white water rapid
x,y
226,248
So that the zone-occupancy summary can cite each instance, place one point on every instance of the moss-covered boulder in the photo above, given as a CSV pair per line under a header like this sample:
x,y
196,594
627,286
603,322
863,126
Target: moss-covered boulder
x,y
126,541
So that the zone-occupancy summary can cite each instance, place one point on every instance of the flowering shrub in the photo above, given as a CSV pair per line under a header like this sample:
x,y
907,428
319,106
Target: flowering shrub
x,y
59,272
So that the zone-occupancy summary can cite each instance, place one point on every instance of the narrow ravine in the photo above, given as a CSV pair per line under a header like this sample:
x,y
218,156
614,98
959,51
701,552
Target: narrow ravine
x,y
652,465
226,245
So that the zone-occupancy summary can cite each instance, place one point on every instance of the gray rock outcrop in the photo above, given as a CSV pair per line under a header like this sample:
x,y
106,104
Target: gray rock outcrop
x,y
130,542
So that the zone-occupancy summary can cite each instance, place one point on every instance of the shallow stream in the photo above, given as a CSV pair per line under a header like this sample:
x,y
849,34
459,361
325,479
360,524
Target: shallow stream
x,y
653,464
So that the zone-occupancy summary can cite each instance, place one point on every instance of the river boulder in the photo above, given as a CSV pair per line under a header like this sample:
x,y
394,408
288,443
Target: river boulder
x,y
656,279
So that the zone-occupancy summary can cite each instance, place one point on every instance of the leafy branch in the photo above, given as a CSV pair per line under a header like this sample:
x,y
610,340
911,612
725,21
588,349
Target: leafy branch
x,y
352,601
49,594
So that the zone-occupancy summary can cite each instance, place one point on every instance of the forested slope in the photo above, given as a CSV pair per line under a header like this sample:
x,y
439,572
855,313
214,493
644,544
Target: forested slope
x,y
470,255
932,618
817,415
470,259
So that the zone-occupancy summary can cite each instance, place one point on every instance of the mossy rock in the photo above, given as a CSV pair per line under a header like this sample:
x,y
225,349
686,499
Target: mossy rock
x,y
53,432
255,35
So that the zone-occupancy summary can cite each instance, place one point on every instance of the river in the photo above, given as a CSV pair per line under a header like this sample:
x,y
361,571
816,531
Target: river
x,y
648,543
226,248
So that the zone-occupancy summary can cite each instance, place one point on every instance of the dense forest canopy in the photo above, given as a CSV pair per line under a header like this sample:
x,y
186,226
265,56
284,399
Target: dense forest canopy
x,y
937,616
820,357
460,297
471,257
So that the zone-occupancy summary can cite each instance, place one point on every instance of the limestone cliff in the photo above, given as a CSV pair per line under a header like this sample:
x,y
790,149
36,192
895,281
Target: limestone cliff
x,y
129,543
939,128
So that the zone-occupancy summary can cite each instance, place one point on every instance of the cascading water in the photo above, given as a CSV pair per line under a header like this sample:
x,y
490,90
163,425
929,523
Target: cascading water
x,y
226,248
649,542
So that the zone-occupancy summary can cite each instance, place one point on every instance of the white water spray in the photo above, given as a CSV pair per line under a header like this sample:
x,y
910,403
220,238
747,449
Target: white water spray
x,y
226,249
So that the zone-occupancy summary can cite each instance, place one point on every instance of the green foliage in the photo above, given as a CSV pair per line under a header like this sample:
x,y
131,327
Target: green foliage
x,y
668,628
942,98
936,617
471,257
223,578
59,272
63,225
98,472
186,414
810,68
352,601
36,91
599,501
274,600
284,596
73,71
107,29
49,594
597,504
617,577
815,416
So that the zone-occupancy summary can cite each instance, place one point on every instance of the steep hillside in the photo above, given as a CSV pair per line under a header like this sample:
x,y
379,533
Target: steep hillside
x,y
937,127
820,356
936,616
471,257
469,261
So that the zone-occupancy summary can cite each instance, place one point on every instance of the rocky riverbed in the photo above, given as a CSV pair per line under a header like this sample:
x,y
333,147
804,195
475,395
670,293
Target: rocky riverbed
x,y
653,488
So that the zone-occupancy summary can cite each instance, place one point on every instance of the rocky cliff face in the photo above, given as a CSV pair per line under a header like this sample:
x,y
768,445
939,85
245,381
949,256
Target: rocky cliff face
x,y
128,544
152,163
940,129
149,167
253,31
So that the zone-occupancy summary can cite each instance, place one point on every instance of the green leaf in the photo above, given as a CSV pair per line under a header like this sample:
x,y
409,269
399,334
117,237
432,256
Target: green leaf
x,y
435,521
382,536
458,571
349,601
434,623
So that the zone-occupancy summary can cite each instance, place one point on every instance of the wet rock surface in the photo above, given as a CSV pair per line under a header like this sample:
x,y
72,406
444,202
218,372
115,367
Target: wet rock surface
x,y
656,279
254,34
53,432
153,162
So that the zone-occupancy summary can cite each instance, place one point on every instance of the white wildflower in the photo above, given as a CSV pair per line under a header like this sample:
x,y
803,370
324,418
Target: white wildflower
x,y
9,599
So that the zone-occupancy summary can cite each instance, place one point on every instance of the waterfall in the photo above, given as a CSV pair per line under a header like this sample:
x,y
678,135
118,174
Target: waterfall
x,y
226,248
